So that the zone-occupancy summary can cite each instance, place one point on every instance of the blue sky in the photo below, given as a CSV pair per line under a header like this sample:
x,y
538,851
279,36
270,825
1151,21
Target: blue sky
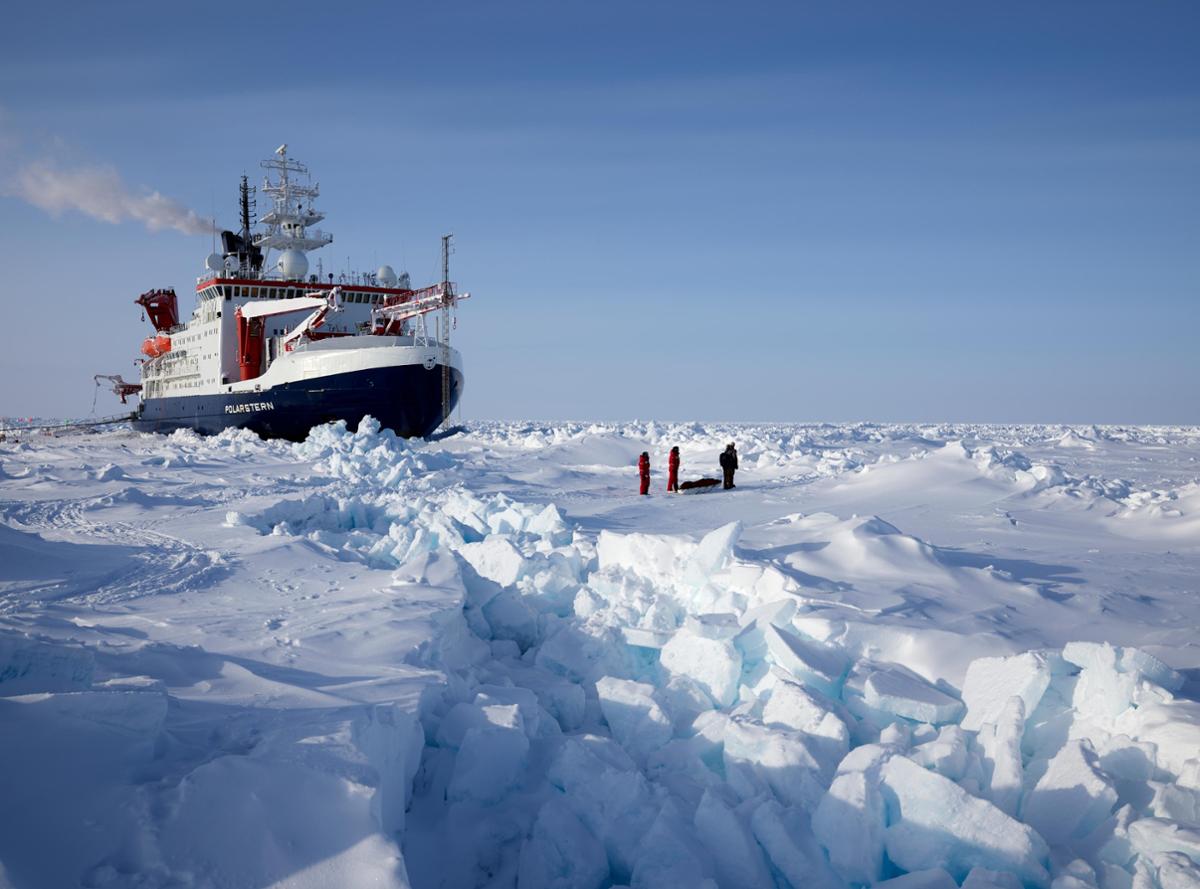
x,y
834,211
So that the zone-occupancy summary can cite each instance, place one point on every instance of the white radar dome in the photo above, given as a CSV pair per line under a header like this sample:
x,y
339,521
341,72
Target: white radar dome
x,y
215,262
293,264
386,275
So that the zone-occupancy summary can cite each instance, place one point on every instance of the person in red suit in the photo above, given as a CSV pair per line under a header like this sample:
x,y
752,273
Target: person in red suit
x,y
673,470
644,471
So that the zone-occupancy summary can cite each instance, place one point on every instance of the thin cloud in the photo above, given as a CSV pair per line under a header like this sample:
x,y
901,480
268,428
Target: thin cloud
x,y
99,192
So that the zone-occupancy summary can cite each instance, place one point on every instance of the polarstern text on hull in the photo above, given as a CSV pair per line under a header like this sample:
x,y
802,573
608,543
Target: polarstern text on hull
x,y
277,347
249,408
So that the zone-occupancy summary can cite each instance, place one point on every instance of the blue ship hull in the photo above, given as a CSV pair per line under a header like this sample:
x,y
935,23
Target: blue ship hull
x,y
406,399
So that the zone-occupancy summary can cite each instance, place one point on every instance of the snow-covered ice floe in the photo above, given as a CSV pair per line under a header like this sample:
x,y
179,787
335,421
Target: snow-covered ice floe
x,y
916,656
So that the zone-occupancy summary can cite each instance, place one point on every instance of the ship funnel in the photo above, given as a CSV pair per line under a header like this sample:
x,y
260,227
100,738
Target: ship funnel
x,y
249,255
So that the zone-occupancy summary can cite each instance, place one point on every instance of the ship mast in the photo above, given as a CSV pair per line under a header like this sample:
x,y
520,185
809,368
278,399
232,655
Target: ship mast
x,y
447,299
246,211
292,194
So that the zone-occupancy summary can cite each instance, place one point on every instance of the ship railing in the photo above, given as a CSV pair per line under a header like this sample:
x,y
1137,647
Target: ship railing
x,y
355,279
284,241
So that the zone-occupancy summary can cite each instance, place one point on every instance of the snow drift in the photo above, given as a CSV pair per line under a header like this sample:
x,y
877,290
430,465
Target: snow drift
x,y
478,662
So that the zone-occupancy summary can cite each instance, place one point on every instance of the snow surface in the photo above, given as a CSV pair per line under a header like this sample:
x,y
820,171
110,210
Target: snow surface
x,y
924,656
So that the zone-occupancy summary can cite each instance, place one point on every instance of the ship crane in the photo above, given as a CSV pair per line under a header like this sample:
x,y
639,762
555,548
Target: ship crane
x,y
162,307
251,333
315,321
119,386
388,319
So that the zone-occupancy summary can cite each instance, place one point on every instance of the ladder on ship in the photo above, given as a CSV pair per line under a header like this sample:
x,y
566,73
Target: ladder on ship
x,y
444,322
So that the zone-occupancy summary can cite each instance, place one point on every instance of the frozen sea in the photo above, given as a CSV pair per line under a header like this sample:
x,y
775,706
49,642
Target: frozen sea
x,y
921,655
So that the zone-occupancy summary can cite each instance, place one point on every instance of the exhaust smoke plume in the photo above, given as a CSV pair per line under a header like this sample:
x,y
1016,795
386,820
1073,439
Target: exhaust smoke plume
x,y
100,193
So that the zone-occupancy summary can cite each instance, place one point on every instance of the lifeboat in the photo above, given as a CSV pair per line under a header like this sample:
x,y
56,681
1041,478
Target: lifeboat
x,y
153,346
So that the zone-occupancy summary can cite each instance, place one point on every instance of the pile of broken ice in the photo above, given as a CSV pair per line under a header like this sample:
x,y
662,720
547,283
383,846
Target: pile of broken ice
x,y
658,712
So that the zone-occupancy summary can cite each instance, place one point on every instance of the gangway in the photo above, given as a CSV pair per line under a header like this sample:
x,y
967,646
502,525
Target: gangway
x,y
68,424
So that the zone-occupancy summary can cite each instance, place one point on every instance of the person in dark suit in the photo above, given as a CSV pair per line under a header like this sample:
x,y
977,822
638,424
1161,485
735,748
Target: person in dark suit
x,y
729,464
